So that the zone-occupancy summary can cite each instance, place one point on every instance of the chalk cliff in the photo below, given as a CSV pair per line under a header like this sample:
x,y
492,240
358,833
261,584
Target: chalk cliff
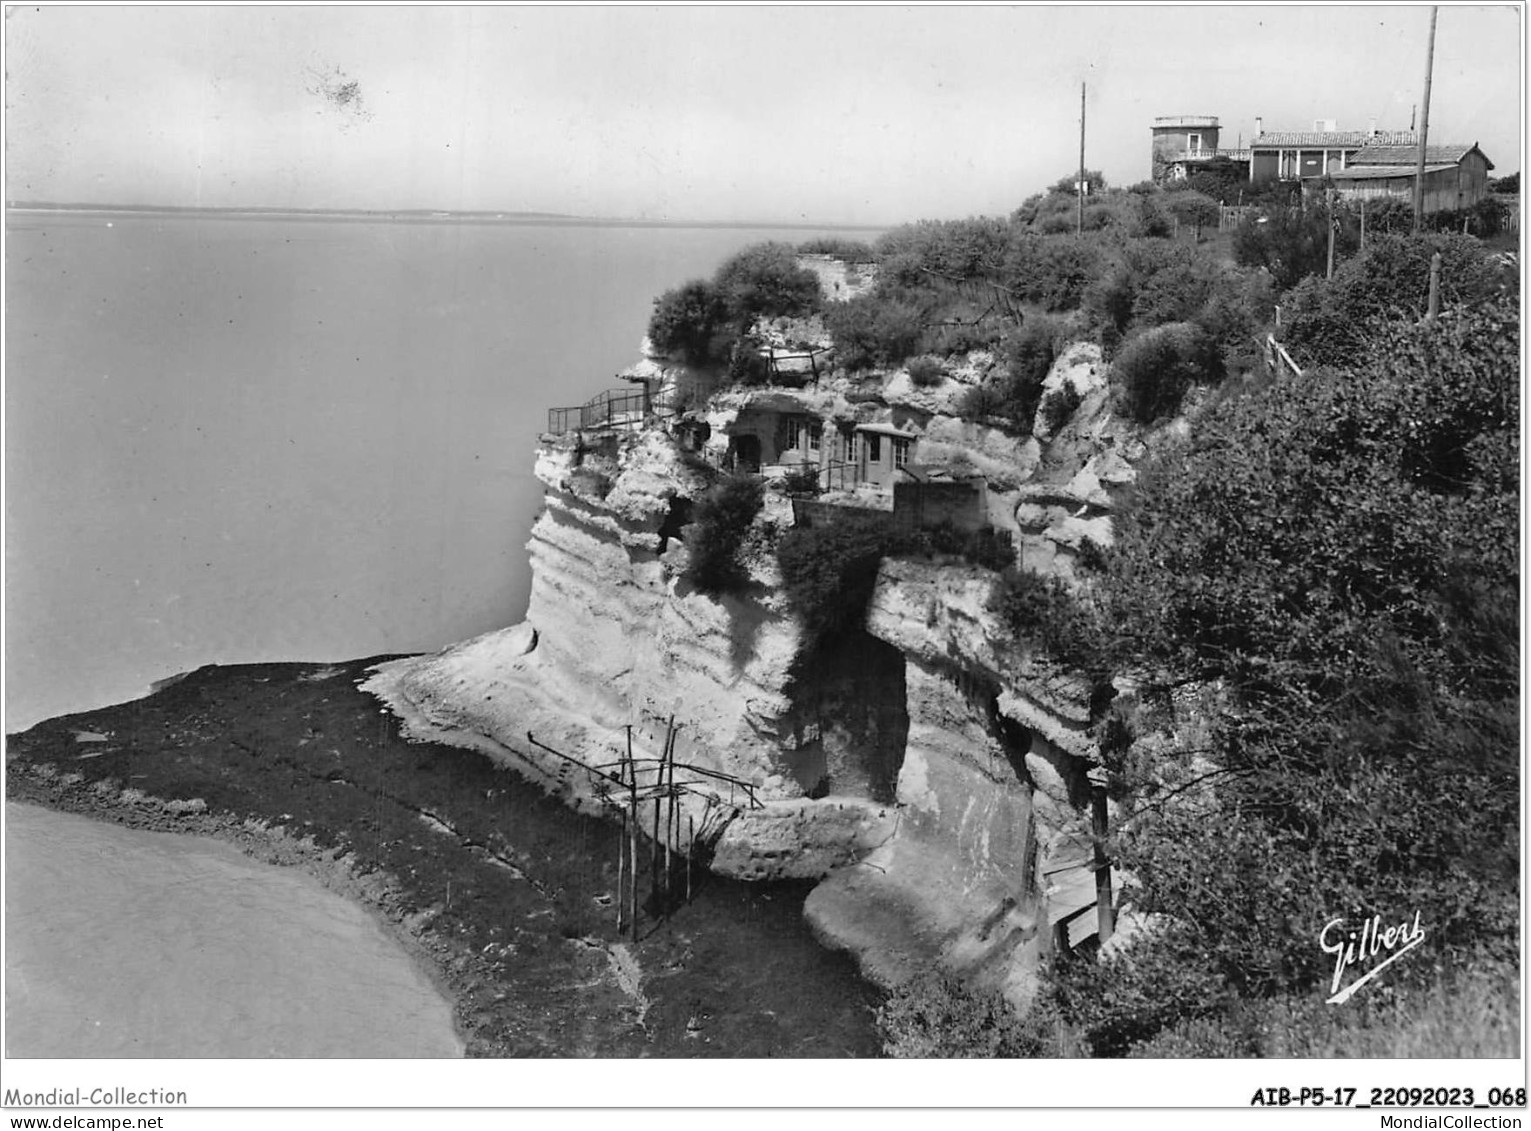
x,y
930,770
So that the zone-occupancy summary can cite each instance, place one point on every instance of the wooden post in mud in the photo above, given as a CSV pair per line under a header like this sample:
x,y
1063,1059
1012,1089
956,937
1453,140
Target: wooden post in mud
x,y
622,846
690,848
669,820
632,836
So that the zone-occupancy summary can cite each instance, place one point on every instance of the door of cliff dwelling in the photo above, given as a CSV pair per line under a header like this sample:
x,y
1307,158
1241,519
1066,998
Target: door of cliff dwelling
x,y
746,450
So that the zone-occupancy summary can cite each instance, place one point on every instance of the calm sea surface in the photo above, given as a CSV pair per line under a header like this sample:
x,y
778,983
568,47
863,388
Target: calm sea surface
x,y
233,440
126,944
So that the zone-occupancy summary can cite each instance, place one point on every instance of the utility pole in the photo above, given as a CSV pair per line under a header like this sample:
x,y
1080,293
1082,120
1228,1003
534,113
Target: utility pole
x,y
1424,129
1329,209
1079,227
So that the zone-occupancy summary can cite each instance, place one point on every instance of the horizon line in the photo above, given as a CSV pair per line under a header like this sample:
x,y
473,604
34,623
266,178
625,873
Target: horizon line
x,y
492,214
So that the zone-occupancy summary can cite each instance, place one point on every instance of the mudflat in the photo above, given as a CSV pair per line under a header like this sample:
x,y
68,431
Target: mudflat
x,y
503,896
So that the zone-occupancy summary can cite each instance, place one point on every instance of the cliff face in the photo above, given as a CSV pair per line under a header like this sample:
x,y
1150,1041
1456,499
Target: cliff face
x,y
615,636
927,770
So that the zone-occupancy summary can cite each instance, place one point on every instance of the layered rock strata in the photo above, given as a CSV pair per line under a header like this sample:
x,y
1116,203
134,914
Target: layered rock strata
x,y
930,772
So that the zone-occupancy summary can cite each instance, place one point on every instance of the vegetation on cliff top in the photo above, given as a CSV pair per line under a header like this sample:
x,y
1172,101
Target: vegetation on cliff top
x,y
1339,555
703,321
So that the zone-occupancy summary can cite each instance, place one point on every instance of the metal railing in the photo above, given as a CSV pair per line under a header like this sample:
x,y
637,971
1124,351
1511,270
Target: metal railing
x,y
615,408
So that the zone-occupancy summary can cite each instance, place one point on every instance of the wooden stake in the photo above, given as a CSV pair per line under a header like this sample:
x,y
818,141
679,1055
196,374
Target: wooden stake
x,y
621,853
632,836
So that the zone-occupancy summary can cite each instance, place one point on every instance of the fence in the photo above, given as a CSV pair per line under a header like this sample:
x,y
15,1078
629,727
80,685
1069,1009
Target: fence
x,y
788,363
1230,216
1277,360
615,408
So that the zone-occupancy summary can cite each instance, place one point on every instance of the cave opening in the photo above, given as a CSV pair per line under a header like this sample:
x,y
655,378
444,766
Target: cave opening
x,y
850,716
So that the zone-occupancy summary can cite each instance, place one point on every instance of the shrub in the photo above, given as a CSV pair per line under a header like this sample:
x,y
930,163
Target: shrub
x,y
1051,273
949,249
948,341
1027,356
829,571
937,1016
1330,321
852,251
926,372
1340,557
1290,243
803,480
691,323
1060,405
721,519
1154,370
872,330
986,547
702,322
765,281
1042,611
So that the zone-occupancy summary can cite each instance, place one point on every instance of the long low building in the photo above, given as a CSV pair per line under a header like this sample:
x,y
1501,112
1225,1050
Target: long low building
x,y
1456,176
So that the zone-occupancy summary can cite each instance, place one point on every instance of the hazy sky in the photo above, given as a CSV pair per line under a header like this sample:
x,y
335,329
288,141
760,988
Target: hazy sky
x,y
872,114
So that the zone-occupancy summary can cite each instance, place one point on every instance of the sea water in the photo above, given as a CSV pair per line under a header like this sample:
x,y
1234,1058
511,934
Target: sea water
x,y
241,440
128,944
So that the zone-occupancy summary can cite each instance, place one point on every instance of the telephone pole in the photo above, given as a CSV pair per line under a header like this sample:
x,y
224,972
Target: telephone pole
x,y
1424,129
1079,226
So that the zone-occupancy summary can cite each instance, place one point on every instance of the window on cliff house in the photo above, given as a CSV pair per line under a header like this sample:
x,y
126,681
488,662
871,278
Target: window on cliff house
x,y
874,448
848,446
900,453
804,435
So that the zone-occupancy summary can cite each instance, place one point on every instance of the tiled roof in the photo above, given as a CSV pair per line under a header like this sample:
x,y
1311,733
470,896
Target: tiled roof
x,y
1334,139
1409,154
1376,172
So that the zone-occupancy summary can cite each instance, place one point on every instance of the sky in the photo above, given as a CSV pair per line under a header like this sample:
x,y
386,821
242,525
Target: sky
x,y
854,114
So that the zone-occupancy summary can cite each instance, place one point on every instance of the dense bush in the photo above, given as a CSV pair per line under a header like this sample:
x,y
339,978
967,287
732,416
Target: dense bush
x,y
1221,179
926,372
938,1016
1193,209
1340,556
766,281
875,330
828,572
1013,391
949,249
702,322
720,521
1330,321
1059,405
1040,611
692,323
1051,273
1155,370
986,547
1291,243
852,251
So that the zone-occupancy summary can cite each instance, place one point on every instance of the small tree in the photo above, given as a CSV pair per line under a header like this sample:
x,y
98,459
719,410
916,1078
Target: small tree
x,y
691,324
720,521
1155,369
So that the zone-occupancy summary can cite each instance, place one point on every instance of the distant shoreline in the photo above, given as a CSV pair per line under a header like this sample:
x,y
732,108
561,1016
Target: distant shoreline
x,y
416,216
